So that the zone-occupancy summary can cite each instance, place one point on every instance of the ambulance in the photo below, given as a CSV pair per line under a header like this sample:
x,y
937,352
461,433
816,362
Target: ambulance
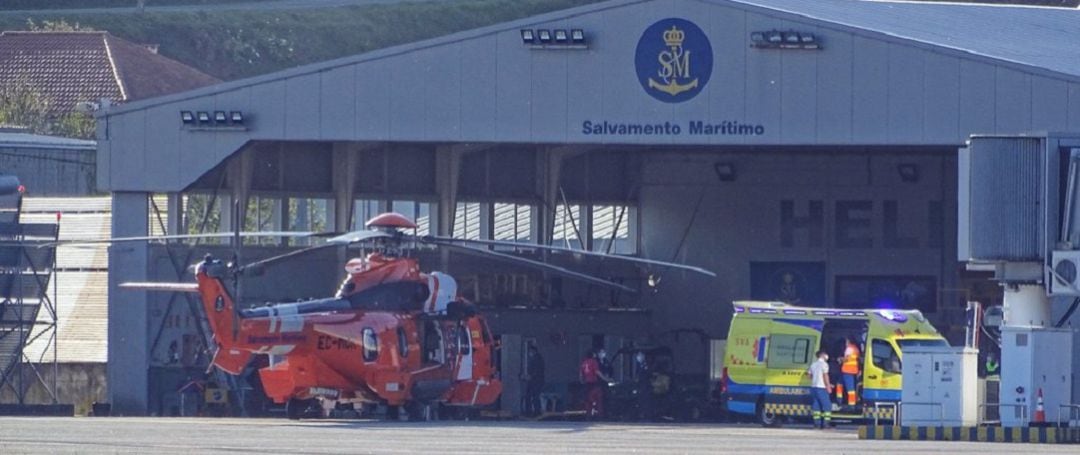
x,y
770,346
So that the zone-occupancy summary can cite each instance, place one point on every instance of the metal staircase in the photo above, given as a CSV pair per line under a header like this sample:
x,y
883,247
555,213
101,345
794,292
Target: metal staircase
x,y
27,258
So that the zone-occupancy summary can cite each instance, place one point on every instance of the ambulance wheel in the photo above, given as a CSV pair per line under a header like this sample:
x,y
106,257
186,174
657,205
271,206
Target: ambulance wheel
x,y
295,408
767,418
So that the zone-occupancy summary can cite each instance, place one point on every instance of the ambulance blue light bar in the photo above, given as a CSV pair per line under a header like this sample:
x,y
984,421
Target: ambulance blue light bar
x,y
894,316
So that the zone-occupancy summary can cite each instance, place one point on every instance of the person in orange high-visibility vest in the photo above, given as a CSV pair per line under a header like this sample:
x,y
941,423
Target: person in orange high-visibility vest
x,y
849,367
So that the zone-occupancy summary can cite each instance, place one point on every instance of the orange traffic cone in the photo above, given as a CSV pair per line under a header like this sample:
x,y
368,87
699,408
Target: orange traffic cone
x,y
1040,413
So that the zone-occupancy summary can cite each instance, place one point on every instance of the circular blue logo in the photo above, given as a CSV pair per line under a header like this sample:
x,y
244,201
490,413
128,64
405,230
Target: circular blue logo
x,y
674,60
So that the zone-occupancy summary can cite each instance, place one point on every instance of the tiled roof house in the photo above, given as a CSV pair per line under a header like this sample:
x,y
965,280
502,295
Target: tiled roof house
x,y
73,67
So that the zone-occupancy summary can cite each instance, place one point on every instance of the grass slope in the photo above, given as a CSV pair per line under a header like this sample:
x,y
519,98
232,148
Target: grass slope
x,y
236,44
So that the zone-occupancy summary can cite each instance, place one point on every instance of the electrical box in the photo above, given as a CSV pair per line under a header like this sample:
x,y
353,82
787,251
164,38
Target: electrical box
x,y
1034,358
1064,267
940,387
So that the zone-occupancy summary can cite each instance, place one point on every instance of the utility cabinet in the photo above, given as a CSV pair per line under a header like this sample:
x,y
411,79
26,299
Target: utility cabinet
x,y
1034,358
940,387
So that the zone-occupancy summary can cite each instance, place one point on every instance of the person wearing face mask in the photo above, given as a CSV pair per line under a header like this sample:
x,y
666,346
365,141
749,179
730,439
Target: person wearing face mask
x,y
820,388
605,362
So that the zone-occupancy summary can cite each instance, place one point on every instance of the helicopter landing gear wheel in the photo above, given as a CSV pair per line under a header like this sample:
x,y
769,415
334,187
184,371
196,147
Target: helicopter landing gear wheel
x,y
393,412
420,412
295,408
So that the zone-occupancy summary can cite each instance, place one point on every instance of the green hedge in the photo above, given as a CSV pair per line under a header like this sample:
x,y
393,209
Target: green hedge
x,y
72,4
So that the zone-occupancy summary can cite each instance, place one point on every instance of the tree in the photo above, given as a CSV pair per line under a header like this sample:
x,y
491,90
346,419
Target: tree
x,y
22,104
78,125
56,26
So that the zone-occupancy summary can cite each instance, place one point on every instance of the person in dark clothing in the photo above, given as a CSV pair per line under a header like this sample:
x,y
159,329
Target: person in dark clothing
x,y
644,375
534,381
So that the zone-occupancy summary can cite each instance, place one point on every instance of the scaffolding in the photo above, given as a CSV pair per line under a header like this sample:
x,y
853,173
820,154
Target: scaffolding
x,y
27,313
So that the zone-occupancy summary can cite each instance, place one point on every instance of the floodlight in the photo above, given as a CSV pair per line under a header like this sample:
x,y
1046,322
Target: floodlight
x,y
528,36
577,36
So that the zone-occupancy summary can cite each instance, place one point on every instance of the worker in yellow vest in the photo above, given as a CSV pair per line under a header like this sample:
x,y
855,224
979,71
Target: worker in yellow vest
x,y
850,370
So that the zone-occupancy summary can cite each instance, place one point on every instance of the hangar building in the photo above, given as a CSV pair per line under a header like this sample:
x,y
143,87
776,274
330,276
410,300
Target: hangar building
x,y
804,151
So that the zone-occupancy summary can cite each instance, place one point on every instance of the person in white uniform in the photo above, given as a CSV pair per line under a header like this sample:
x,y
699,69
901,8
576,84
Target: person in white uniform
x,y
820,390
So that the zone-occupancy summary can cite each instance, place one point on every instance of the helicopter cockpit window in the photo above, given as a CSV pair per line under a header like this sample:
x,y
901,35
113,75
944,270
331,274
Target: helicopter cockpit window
x,y
371,345
403,342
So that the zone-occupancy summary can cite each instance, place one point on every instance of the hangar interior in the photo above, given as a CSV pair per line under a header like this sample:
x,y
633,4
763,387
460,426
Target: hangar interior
x,y
804,209
841,193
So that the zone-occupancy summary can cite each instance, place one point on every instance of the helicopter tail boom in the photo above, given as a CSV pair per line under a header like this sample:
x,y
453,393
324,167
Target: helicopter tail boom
x,y
221,314
232,361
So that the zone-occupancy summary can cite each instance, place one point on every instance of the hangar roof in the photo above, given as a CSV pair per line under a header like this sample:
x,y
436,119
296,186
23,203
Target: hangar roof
x,y
1043,37
1031,36
27,140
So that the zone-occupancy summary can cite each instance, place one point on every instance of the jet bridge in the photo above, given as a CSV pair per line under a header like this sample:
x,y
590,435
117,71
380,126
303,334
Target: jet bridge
x,y
1019,217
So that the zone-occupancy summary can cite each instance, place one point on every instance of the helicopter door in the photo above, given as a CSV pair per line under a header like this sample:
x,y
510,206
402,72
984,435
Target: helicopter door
x,y
465,353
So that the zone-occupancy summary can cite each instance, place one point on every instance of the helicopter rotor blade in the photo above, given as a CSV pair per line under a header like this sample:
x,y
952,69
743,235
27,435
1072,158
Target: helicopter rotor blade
x,y
343,239
282,257
673,265
534,264
358,236
164,287
209,235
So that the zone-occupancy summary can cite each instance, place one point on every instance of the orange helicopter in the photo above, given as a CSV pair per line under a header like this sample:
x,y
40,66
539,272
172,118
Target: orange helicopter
x,y
391,334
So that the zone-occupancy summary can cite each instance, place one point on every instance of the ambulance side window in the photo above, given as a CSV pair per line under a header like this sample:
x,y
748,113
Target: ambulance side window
x,y
789,351
884,356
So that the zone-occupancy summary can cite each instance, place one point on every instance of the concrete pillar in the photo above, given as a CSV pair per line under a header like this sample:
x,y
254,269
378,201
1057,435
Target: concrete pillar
x,y
447,173
224,204
583,218
346,157
175,209
129,356
549,173
240,169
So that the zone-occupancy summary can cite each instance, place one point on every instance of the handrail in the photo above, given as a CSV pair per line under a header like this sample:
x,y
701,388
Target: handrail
x,y
895,405
1073,408
940,407
1023,410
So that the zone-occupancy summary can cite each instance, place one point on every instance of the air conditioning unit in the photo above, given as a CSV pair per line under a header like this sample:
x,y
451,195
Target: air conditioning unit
x,y
1064,273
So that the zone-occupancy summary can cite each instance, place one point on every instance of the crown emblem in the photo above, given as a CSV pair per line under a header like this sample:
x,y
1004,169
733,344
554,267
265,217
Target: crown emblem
x,y
674,37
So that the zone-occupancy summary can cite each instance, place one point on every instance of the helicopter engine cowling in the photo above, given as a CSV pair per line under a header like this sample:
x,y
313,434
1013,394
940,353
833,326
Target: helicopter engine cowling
x,y
443,290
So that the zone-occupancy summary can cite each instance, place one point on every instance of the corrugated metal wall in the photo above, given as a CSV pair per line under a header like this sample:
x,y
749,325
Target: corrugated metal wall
x,y
51,172
1006,184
